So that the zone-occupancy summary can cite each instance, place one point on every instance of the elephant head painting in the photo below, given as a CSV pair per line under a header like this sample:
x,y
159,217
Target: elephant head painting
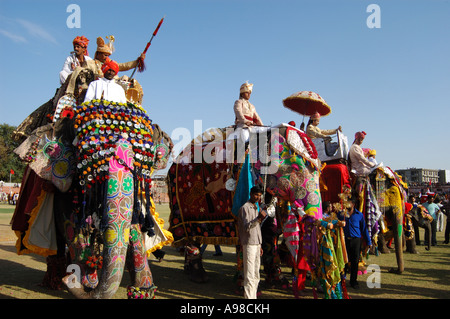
x,y
112,215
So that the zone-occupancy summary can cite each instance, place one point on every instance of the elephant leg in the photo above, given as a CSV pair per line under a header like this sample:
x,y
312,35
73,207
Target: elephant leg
x,y
411,246
57,264
428,230
142,286
382,247
193,264
56,270
416,233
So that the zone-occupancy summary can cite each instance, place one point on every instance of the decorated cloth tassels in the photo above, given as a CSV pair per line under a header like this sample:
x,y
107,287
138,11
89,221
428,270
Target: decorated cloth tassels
x,y
141,293
344,287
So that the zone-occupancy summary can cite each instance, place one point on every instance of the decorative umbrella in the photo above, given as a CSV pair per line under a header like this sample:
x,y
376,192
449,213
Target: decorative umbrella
x,y
307,103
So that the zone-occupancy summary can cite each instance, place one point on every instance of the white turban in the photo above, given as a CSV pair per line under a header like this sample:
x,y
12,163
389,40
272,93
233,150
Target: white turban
x,y
246,87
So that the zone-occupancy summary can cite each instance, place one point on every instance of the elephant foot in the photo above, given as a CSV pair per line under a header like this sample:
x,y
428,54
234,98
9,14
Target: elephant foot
x,y
395,271
56,270
197,272
141,293
194,266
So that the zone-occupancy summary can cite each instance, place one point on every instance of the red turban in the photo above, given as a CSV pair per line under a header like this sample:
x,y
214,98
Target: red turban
x,y
111,64
82,41
361,134
291,123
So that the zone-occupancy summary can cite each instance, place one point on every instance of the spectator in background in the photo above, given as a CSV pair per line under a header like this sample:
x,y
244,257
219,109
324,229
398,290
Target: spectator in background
x,y
354,230
446,210
216,247
327,209
433,210
440,215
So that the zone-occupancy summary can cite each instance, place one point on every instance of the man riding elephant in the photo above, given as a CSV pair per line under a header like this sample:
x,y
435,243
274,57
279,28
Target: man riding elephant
x,y
360,165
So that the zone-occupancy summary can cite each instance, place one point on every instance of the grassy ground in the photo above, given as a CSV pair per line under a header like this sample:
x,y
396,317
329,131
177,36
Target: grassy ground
x,y
427,274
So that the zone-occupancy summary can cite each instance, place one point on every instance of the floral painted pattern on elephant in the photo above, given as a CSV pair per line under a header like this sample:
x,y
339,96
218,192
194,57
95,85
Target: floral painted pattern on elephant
x,y
296,180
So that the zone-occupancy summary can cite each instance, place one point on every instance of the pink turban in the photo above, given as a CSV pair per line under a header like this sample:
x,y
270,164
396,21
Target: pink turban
x,y
361,134
315,116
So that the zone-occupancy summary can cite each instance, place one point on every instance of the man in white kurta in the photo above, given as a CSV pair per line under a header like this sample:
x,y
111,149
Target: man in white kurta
x,y
106,88
359,163
244,111
79,58
249,228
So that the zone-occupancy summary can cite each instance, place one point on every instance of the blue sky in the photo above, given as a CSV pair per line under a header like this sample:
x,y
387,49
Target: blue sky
x,y
392,82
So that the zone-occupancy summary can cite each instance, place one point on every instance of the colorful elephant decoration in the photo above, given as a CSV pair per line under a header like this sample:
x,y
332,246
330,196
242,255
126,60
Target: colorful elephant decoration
x,y
210,180
382,199
87,190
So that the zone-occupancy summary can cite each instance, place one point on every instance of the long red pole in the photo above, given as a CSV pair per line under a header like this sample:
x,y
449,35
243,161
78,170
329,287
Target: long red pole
x,y
141,65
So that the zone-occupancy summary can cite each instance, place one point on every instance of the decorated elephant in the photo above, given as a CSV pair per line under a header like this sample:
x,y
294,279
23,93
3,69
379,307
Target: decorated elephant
x,y
382,198
419,217
390,194
95,198
210,180
112,214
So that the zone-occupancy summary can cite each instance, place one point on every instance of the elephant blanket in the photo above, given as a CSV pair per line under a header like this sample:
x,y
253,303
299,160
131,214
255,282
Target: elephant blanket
x,y
201,205
204,193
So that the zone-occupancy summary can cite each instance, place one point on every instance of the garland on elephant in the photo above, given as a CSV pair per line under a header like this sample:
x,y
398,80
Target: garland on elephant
x,y
203,208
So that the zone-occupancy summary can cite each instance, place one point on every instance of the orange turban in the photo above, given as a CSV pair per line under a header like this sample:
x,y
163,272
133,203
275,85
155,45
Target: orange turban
x,y
82,41
111,64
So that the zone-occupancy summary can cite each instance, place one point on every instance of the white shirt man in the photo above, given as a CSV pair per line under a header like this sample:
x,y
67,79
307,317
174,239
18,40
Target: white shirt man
x,y
359,163
249,220
69,65
106,88
78,58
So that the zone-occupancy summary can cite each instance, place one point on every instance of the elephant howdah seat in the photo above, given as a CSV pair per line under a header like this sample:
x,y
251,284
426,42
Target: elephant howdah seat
x,y
332,151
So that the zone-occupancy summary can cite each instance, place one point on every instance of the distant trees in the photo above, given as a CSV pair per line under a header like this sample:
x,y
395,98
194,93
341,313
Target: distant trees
x,y
8,159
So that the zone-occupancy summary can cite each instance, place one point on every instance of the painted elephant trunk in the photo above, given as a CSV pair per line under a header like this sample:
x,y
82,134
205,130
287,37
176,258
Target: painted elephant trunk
x,y
398,233
122,240
110,278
